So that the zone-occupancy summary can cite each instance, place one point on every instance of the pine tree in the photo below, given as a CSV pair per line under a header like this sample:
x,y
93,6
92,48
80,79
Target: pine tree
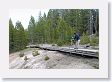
x,y
31,30
11,34
20,36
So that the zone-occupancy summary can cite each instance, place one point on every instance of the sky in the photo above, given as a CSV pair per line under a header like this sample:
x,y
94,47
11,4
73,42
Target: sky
x,y
23,15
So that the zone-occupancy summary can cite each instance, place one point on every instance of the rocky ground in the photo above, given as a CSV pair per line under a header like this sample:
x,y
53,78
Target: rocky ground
x,y
56,61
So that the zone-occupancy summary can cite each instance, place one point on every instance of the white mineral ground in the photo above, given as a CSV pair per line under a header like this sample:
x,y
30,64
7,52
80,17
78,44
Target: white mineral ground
x,y
56,61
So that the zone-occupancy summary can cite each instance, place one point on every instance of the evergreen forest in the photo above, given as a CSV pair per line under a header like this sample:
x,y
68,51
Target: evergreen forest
x,y
56,27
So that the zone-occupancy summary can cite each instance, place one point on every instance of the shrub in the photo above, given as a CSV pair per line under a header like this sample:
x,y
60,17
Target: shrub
x,y
94,41
53,44
35,53
46,58
84,39
60,43
21,54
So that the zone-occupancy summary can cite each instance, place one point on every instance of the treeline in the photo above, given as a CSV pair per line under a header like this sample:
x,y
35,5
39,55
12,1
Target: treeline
x,y
18,39
59,25
55,27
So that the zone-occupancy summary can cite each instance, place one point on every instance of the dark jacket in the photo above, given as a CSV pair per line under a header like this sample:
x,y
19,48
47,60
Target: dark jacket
x,y
76,37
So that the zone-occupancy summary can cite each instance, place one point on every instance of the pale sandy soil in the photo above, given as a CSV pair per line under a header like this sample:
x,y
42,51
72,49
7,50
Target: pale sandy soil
x,y
57,61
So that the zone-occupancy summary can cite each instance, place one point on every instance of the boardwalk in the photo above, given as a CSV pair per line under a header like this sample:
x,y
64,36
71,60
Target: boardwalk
x,y
85,52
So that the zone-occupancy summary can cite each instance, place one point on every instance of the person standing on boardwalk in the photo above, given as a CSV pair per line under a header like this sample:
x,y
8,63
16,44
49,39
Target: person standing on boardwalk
x,y
76,40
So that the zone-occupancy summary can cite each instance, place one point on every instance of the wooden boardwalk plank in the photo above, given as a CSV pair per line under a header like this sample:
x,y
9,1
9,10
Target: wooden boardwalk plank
x,y
86,52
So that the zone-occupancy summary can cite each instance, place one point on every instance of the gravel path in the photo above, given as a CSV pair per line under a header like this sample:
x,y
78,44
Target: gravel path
x,y
57,61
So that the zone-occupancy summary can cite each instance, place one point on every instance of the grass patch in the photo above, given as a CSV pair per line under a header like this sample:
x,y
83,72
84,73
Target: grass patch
x,y
35,53
21,54
25,58
46,58
53,44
